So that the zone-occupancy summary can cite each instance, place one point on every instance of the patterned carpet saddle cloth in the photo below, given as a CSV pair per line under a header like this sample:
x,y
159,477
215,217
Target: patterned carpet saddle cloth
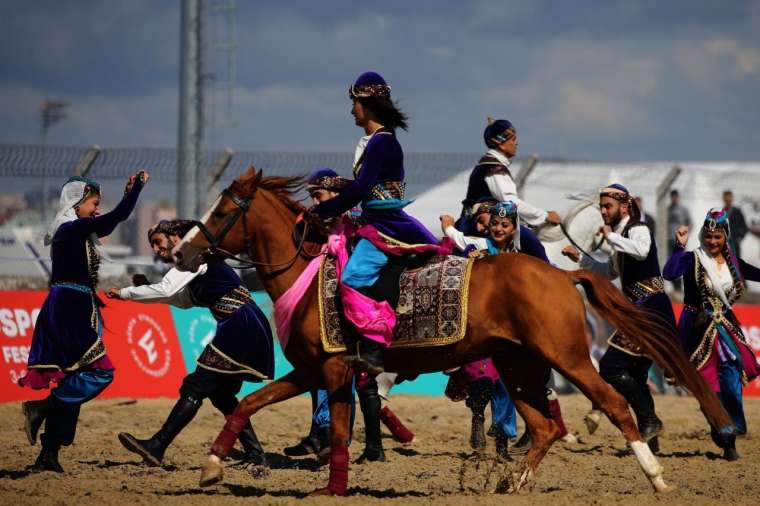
x,y
431,309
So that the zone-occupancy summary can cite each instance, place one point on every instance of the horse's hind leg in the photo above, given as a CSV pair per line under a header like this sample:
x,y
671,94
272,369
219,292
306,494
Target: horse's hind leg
x,y
576,366
294,383
338,380
525,375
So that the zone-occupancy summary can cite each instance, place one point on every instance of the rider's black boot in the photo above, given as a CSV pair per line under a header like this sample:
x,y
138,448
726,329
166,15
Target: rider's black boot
x,y
369,401
368,357
152,450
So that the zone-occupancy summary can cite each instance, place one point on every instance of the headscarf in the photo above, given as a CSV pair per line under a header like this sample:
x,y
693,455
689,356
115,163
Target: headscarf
x,y
326,179
497,132
717,219
507,210
74,191
369,84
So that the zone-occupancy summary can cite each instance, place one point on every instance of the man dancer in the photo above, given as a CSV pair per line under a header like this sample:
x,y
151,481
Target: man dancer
x,y
242,349
633,256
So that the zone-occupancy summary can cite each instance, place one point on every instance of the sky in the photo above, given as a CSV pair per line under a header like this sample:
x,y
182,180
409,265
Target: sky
x,y
591,80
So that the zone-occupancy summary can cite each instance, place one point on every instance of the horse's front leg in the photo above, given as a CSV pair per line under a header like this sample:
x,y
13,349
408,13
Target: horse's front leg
x,y
338,379
294,383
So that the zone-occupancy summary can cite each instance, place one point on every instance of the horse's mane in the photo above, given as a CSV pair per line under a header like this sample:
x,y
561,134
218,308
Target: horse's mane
x,y
285,189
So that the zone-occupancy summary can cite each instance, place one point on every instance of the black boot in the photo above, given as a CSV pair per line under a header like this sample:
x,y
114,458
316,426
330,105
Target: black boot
x,y
307,446
152,450
478,433
523,444
640,400
34,414
47,460
368,357
727,442
254,453
369,401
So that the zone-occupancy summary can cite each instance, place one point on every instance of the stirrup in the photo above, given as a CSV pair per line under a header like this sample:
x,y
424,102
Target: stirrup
x,y
370,362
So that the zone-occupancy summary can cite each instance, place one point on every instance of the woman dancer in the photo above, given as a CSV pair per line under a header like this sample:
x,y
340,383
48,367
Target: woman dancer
x,y
67,346
714,279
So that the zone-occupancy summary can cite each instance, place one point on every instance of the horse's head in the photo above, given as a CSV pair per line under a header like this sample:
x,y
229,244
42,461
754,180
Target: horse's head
x,y
223,227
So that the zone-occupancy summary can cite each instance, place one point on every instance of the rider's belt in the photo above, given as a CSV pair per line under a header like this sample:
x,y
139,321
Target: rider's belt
x,y
230,302
645,288
388,190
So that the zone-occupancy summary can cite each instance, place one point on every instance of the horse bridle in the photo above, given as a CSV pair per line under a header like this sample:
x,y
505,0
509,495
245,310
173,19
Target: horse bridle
x,y
243,205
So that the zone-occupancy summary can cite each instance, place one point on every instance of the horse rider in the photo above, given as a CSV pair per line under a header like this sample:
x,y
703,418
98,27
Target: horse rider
x,y
324,184
378,186
491,178
67,345
632,257
241,350
714,279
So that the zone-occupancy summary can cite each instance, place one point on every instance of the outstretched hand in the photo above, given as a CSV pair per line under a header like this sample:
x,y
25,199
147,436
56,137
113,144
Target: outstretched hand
x,y
572,253
114,293
553,218
143,175
446,221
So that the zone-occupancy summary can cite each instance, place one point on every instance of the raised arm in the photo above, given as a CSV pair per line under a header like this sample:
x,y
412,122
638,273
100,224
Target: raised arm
x,y
679,263
105,224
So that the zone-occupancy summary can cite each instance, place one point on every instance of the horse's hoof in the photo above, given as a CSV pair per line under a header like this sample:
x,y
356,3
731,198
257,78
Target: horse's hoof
x,y
592,420
660,487
212,473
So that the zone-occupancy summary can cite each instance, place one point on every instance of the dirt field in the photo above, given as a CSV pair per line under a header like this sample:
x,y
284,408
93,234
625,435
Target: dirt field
x,y
595,471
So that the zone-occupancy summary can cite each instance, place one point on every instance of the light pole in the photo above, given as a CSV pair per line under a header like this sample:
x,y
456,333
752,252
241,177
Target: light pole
x,y
51,112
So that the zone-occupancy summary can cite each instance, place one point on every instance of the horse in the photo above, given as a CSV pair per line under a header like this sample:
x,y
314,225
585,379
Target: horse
x,y
580,227
526,314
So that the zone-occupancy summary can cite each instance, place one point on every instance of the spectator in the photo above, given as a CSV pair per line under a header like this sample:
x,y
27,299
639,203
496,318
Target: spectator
x,y
736,224
678,215
646,217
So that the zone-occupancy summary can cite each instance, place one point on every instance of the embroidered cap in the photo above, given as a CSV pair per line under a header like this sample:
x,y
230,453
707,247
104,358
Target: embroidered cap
x,y
369,84
506,209
498,131
717,218
325,179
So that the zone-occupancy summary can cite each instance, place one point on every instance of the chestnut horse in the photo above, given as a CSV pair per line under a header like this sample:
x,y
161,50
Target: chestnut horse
x,y
525,314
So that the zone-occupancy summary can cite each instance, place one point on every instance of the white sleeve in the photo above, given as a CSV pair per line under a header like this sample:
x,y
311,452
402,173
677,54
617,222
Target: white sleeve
x,y
602,265
503,188
462,241
637,244
172,289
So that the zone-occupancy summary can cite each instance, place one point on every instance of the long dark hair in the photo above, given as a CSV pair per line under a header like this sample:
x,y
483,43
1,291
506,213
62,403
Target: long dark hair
x,y
388,113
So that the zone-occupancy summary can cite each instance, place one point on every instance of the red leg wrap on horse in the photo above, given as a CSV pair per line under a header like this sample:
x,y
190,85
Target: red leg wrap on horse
x,y
338,483
399,431
232,428
556,413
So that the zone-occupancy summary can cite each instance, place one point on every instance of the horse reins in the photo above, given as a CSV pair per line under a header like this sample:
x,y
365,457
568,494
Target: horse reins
x,y
575,244
243,206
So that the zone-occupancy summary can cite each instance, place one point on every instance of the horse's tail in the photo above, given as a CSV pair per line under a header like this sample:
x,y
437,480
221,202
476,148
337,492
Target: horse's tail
x,y
656,339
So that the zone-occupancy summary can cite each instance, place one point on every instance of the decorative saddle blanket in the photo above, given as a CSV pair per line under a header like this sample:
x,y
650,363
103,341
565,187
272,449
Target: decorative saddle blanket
x,y
432,307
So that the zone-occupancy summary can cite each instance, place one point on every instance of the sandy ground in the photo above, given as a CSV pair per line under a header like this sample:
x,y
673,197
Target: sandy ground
x,y
596,470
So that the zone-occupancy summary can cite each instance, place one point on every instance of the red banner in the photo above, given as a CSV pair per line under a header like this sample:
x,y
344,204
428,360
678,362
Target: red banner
x,y
140,340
